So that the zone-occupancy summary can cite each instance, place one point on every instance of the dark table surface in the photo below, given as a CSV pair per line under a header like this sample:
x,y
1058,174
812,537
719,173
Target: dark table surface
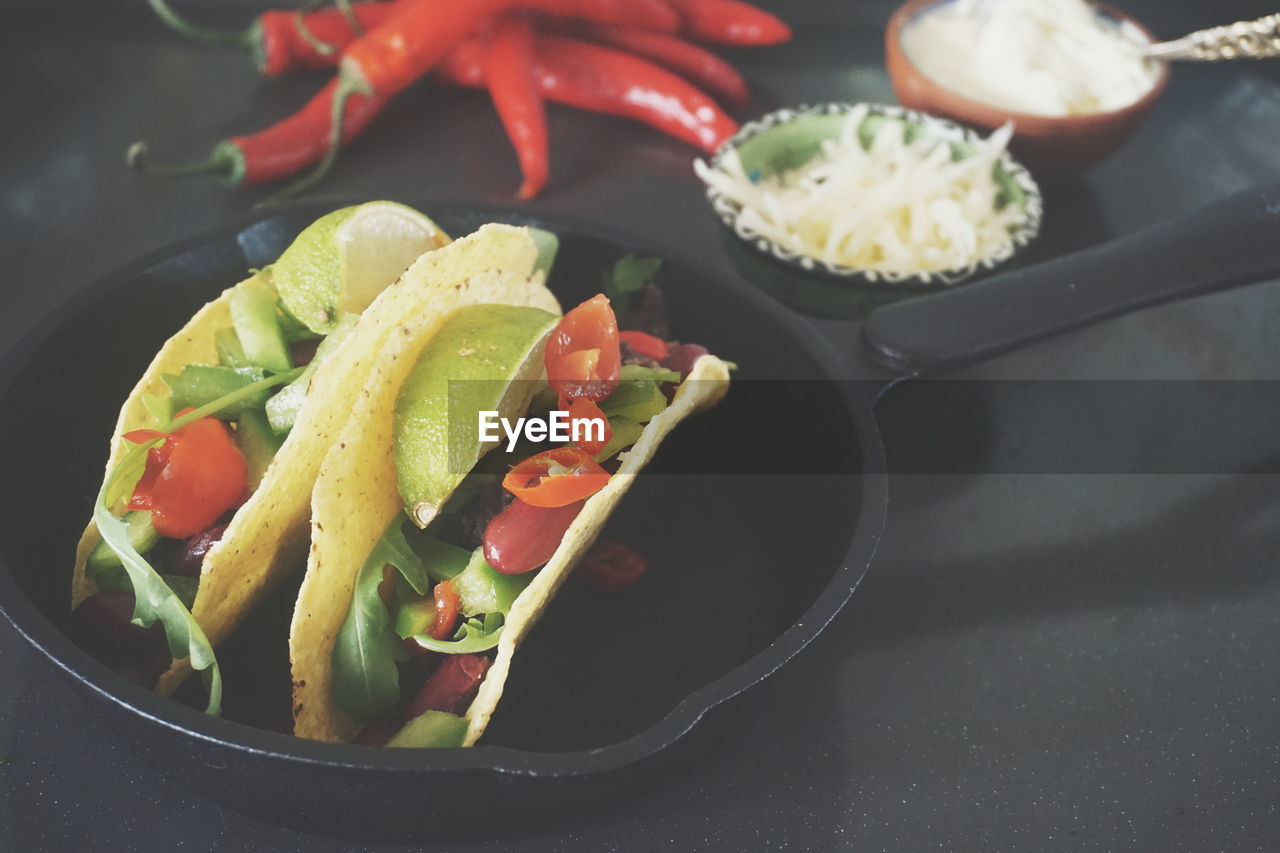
x,y
1035,661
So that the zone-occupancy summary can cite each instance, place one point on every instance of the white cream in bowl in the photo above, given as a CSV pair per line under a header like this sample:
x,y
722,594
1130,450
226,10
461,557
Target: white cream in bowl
x,y
1042,57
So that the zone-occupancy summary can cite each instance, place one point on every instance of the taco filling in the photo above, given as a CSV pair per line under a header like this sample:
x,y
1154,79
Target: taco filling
x,y
214,425
452,572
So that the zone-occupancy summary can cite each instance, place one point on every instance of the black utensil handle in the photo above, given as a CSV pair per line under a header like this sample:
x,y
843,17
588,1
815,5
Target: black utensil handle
x,y
1231,242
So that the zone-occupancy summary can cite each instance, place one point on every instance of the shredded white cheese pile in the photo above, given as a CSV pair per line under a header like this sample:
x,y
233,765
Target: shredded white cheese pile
x,y
1044,57
894,207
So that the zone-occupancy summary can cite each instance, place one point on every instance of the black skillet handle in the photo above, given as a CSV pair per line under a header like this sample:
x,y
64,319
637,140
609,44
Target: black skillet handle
x,y
1228,243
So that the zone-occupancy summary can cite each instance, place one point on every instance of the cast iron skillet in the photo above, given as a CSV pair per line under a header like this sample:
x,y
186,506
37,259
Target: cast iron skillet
x,y
754,550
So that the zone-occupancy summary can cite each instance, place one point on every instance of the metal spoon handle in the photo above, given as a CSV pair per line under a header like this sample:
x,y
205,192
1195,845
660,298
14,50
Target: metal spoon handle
x,y
1259,39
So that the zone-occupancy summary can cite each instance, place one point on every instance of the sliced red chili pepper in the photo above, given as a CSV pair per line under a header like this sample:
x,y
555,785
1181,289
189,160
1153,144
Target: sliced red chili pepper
x,y
446,611
518,99
731,22
612,566
144,492
452,686
522,537
584,415
556,477
203,476
142,436
645,344
582,357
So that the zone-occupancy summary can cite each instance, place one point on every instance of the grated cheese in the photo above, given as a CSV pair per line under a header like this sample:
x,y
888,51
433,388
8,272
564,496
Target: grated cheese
x,y
895,207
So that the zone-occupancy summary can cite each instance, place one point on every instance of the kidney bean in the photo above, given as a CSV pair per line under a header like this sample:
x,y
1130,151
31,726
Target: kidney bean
x,y
189,557
452,686
681,357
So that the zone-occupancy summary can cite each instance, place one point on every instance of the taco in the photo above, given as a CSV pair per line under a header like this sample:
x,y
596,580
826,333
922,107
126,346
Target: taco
x,y
430,561
202,512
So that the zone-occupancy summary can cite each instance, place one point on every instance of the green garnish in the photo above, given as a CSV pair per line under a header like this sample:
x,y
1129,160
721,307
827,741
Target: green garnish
x,y
366,684
431,729
625,281
199,384
154,600
473,635
163,598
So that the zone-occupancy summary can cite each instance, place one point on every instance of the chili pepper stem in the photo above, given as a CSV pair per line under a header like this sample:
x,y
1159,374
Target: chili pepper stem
x,y
223,161
321,47
177,23
344,6
349,84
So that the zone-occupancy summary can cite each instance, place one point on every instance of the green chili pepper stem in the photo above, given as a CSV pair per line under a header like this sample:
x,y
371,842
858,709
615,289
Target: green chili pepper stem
x,y
226,160
344,6
320,47
211,35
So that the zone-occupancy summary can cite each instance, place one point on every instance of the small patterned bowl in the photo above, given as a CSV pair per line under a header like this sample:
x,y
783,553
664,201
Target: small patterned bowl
x,y
789,138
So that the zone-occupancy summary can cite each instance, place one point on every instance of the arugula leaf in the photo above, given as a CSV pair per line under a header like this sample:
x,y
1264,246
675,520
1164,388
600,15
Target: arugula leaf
x,y
198,384
228,400
154,600
366,683
442,560
630,274
624,282
473,635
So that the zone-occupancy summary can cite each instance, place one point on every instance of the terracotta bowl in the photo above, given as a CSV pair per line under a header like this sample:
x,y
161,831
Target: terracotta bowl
x,y
1045,143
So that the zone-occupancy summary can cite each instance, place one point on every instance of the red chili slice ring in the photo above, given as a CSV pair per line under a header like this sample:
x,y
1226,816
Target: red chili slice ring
x,y
556,477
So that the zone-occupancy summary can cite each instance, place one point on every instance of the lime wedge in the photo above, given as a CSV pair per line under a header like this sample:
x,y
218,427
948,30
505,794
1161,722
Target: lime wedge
x,y
343,260
486,358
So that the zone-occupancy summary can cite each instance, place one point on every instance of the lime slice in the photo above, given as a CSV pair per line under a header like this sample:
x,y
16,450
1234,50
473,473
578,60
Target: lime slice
x,y
486,358
343,260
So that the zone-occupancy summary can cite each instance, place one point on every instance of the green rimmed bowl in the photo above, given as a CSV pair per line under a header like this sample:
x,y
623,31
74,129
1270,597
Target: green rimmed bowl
x,y
787,139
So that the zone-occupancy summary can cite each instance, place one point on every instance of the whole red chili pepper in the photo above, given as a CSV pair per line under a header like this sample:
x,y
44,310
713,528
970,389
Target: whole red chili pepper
x,y
517,98
420,32
602,80
283,149
609,81
695,63
284,40
731,22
